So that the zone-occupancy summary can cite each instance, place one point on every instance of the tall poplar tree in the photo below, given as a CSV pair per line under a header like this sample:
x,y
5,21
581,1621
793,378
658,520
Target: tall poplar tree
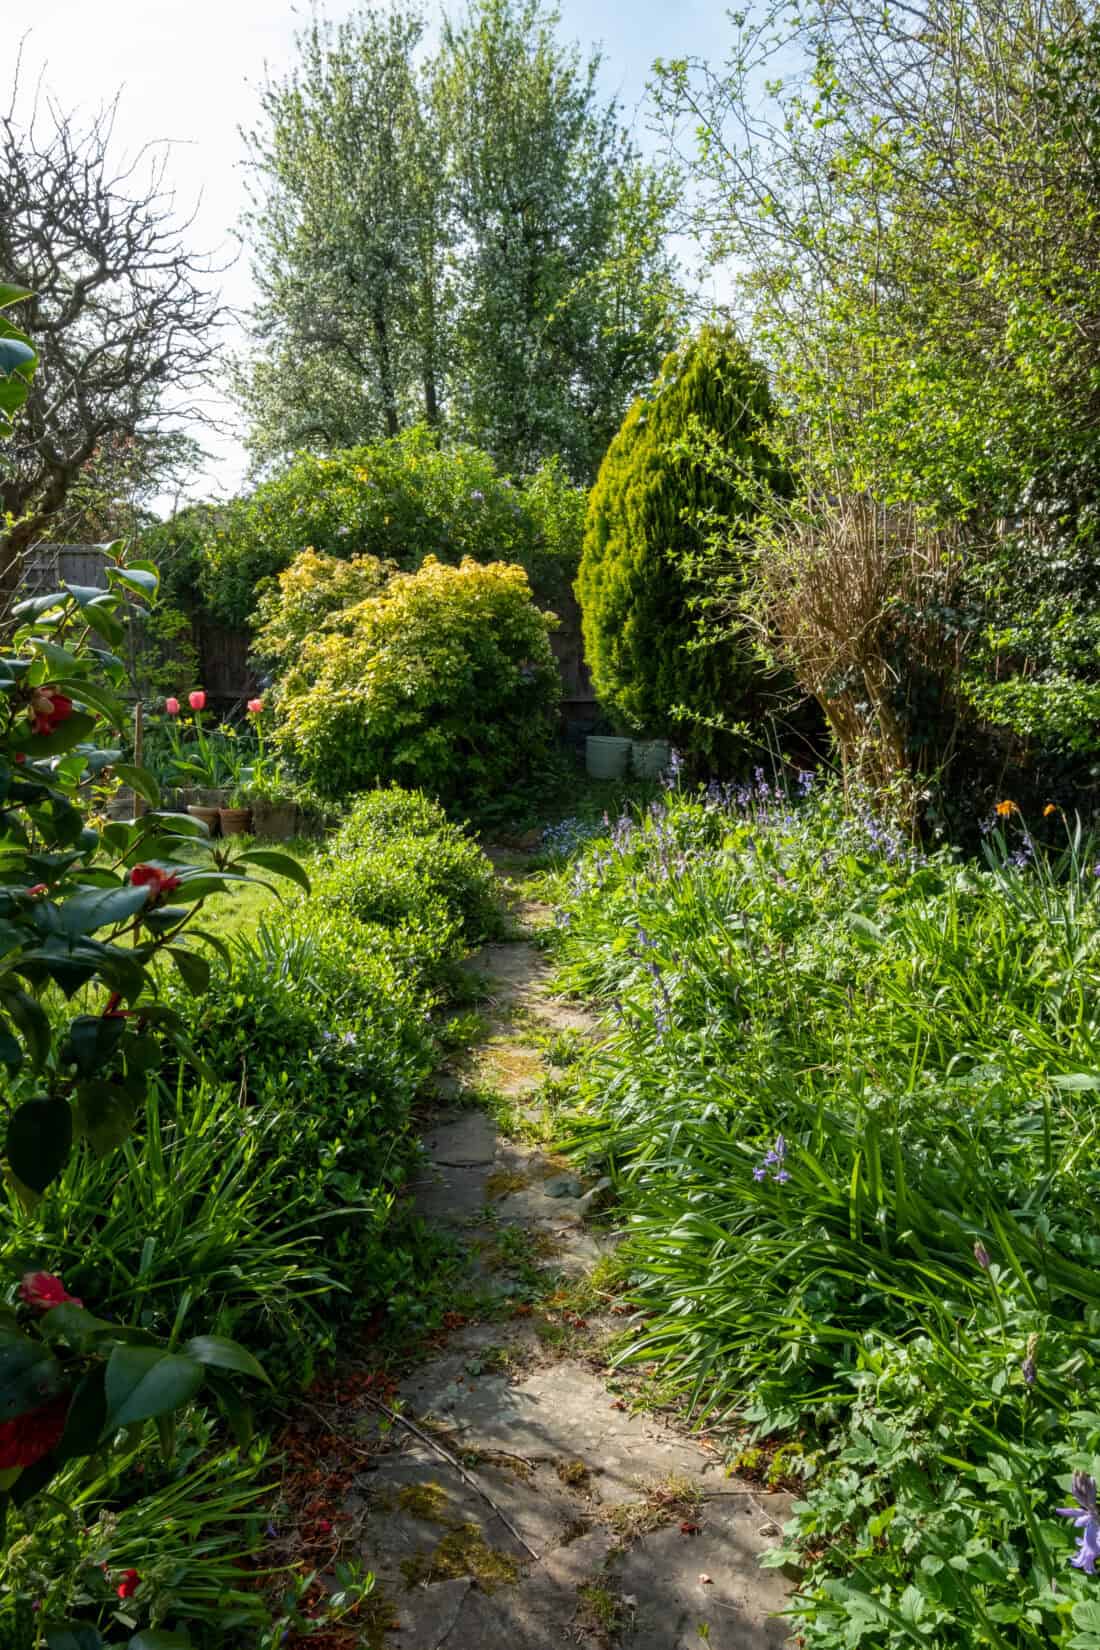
x,y
468,239
350,237
566,293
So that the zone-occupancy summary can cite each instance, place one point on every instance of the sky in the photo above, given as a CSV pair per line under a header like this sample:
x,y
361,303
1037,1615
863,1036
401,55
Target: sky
x,y
190,71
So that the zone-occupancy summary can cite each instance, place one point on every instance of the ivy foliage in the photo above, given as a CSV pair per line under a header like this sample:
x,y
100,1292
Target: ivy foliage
x,y
690,461
400,500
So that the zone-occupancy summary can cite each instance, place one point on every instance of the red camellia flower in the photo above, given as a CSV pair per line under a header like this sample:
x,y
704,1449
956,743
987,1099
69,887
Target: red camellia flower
x,y
172,706
31,1436
255,707
39,888
49,706
197,700
43,1290
128,1586
157,881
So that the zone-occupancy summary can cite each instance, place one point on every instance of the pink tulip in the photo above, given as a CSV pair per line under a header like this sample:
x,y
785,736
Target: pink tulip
x,y
172,706
197,700
255,707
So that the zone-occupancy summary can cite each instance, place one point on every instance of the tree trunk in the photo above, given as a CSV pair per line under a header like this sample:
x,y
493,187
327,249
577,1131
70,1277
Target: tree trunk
x,y
385,368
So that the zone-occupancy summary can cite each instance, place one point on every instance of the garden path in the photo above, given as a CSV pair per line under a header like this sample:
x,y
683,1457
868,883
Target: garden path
x,y
566,1513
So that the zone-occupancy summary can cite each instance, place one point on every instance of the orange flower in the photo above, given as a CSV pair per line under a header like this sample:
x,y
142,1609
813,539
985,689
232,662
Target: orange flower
x,y
1006,809
1048,810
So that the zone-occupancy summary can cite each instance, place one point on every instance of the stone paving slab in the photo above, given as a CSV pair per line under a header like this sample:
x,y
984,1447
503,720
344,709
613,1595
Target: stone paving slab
x,y
662,1577
545,1436
562,1411
470,1139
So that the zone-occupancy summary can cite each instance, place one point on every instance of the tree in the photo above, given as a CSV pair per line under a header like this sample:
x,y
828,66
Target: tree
x,y
349,235
659,502
567,297
911,208
121,312
469,241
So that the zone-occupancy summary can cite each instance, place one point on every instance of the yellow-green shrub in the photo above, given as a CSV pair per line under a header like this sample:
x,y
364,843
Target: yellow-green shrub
x,y
444,680
308,597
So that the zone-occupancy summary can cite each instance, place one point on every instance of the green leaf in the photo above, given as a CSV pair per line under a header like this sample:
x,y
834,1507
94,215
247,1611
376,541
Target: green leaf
x,y
10,294
65,1635
71,732
237,1410
34,606
159,1638
31,1021
29,1374
104,1115
1077,1082
93,1038
144,1381
142,579
86,1418
140,780
283,865
15,356
201,884
225,1354
11,1051
92,908
39,1140
194,970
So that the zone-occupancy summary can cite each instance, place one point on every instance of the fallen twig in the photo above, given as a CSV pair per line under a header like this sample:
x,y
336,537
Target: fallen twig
x,y
395,1416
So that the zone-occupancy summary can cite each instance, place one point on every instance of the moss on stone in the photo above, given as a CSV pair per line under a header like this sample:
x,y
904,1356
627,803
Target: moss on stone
x,y
428,1501
463,1551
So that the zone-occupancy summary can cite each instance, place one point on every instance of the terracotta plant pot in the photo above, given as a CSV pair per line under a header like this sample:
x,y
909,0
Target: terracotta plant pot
x,y
235,821
277,821
211,817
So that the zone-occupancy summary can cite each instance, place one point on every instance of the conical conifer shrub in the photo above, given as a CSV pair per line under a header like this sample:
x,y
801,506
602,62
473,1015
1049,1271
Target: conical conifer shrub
x,y
689,460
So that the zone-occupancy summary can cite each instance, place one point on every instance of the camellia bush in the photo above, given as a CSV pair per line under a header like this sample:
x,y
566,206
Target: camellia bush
x,y
88,917
444,681
89,914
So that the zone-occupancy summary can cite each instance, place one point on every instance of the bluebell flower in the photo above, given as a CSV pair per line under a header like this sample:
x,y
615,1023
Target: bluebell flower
x,y
1086,1519
774,1160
